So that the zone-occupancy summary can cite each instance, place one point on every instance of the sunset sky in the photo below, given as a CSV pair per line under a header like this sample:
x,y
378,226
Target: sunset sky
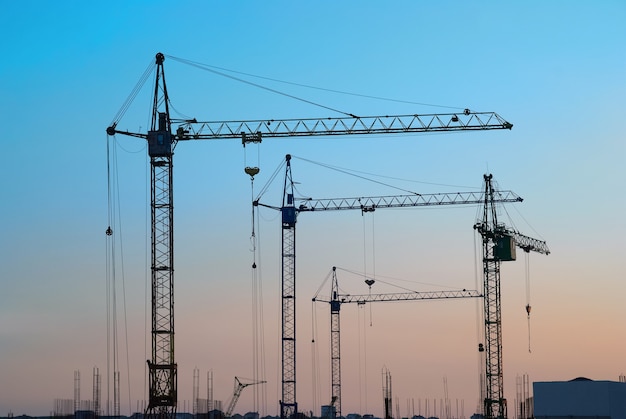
x,y
555,70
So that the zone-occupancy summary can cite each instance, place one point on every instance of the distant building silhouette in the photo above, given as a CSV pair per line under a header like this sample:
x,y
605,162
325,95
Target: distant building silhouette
x,y
580,397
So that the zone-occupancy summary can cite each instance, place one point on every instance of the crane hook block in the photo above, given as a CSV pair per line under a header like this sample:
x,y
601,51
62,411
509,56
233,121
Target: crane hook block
x,y
252,171
254,137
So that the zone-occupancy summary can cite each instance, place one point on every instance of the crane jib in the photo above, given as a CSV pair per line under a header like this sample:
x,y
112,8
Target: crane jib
x,y
395,124
403,201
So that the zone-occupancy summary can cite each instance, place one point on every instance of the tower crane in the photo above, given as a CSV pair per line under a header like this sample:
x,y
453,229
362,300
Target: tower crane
x,y
239,386
499,243
162,140
290,209
337,299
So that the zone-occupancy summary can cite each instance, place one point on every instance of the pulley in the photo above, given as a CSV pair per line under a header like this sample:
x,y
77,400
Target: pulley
x,y
255,140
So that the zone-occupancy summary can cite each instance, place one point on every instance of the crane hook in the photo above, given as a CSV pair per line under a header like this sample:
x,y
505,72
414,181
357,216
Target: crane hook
x,y
252,171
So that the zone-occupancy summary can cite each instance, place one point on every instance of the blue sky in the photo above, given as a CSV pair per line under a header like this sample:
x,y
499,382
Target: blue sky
x,y
556,70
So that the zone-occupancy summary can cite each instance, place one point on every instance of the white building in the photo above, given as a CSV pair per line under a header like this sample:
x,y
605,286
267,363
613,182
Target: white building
x,y
580,398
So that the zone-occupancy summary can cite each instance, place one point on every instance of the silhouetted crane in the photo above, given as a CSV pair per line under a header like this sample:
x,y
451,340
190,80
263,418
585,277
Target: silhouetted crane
x,y
162,140
499,243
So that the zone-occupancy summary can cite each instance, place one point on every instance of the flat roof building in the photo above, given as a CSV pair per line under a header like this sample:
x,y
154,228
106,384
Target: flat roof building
x,y
579,398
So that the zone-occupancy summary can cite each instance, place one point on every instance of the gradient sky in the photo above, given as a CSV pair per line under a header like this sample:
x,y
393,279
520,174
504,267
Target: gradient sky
x,y
556,70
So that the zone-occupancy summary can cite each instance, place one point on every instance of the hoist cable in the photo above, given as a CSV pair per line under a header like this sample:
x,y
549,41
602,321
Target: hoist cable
x,y
211,70
122,269
315,362
365,361
109,263
528,307
373,256
529,351
254,285
527,274
147,279
114,207
479,314
365,263
258,347
262,354
364,251
112,338
361,379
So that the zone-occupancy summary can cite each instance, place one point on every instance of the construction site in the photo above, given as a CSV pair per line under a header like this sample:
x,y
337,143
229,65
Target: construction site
x,y
291,210
395,311
498,243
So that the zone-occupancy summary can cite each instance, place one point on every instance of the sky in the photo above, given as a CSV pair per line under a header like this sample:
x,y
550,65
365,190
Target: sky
x,y
555,70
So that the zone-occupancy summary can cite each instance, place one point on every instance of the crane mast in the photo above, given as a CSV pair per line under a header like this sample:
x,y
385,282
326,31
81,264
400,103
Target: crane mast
x,y
498,244
162,369
288,404
161,143
336,300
